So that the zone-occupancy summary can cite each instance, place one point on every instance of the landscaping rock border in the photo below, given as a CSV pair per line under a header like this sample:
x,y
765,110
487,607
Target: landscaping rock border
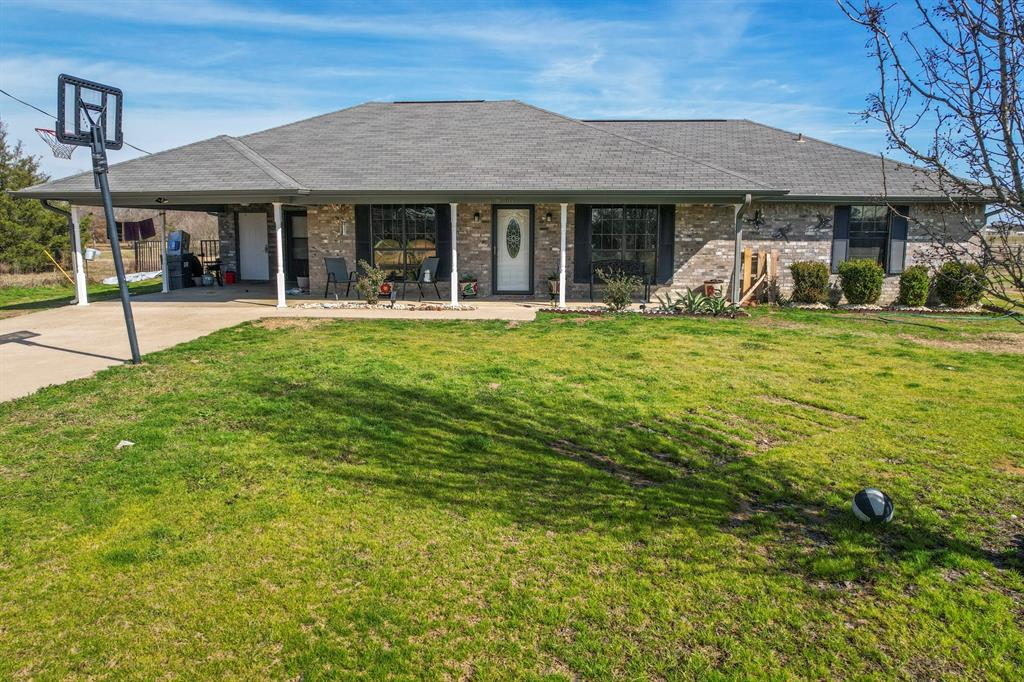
x,y
346,305
894,308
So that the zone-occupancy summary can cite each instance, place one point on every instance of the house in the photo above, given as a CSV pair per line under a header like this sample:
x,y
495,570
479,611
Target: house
x,y
509,192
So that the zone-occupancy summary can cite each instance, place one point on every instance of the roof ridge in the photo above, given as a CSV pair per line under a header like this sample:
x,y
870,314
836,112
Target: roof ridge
x,y
645,144
275,173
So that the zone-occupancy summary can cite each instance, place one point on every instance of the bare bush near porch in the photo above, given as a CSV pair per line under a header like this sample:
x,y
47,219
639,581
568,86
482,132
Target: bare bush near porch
x,y
949,97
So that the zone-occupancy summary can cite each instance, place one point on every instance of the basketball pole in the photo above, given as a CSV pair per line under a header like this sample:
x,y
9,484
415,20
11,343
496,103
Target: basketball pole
x,y
99,170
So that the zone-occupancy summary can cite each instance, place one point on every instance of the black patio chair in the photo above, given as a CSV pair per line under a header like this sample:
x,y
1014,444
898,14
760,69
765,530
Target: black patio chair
x,y
635,268
338,273
428,265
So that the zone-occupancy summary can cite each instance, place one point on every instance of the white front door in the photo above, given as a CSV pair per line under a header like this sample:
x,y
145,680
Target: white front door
x,y
253,262
513,247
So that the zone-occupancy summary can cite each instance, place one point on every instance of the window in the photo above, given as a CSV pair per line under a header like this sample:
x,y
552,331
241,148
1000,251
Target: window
x,y
402,237
869,233
299,246
625,233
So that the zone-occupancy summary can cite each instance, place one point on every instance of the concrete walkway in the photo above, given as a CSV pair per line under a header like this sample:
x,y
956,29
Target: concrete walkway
x,y
61,344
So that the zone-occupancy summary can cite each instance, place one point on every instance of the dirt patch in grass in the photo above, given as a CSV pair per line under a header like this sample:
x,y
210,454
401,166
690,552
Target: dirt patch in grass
x,y
601,462
996,342
820,409
291,323
1009,467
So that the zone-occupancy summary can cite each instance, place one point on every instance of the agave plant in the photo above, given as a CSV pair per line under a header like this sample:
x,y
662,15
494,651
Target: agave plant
x,y
694,302
666,303
720,305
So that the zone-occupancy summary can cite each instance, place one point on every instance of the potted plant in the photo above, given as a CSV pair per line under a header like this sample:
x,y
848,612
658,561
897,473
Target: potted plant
x,y
468,285
553,280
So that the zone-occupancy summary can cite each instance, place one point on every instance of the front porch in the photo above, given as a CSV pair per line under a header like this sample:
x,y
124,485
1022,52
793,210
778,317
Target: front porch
x,y
510,250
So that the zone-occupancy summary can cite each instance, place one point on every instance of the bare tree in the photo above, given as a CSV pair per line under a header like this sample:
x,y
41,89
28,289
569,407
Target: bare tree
x,y
949,98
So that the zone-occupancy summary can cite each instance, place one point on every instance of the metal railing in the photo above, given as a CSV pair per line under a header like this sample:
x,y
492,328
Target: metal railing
x,y
209,251
147,255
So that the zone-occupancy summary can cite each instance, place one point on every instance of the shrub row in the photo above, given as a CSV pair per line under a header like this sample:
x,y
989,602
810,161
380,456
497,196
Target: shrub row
x,y
956,285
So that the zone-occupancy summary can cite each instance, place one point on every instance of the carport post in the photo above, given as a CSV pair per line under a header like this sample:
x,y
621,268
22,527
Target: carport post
x,y
76,235
166,287
561,257
279,233
455,254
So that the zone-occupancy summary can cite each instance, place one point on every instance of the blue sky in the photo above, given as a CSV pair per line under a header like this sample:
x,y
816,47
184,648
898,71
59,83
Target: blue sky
x,y
196,68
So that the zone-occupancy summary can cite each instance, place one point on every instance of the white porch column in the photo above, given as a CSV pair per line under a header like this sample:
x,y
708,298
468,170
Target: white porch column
x,y
561,257
80,284
163,250
279,234
455,254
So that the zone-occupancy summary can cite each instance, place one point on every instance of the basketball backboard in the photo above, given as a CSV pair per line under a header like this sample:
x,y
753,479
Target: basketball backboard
x,y
80,104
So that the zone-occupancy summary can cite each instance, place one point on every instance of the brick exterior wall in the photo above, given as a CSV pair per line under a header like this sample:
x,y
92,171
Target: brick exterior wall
x,y
474,244
703,241
705,233
332,233
228,241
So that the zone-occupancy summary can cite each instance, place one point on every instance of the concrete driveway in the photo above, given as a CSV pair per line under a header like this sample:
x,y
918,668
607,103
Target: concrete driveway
x,y
71,342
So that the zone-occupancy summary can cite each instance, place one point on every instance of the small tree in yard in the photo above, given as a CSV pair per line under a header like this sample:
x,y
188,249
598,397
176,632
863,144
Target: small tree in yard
x,y
949,97
26,228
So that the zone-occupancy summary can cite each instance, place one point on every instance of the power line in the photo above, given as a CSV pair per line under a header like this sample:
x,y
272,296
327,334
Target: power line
x,y
48,114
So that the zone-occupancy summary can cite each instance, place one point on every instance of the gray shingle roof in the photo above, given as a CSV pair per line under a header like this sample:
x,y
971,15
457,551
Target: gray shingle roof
x,y
479,146
497,147
216,164
803,165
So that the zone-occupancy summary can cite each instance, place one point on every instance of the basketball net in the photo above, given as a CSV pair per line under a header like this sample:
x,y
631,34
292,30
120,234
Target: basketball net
x,y
60,150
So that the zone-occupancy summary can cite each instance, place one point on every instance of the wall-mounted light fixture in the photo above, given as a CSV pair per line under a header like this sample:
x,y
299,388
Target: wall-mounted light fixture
x,y
547,217
476,217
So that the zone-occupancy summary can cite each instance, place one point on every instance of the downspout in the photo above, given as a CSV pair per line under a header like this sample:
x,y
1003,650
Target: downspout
x,y
737,259
75,242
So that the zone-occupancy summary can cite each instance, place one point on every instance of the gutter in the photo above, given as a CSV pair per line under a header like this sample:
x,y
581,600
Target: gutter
x,y
302,196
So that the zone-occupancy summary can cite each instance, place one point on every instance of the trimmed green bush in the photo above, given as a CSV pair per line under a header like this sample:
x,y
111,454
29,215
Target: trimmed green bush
x,y
861,280
914,284
810,282
960,285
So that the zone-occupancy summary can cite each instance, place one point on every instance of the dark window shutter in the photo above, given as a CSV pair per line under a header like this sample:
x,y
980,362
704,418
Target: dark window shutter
x,y
444,241
581,245
362,235
897,252
840,236
666,243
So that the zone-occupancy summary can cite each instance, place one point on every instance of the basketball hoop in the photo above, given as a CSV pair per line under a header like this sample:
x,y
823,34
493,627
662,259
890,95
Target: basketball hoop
x,y
60,150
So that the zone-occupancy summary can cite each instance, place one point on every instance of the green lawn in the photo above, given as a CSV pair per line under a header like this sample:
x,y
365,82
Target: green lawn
x,y
17,300
575,497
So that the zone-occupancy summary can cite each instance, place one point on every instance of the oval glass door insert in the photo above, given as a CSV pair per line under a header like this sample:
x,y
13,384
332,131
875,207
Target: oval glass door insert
x,y
513,238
